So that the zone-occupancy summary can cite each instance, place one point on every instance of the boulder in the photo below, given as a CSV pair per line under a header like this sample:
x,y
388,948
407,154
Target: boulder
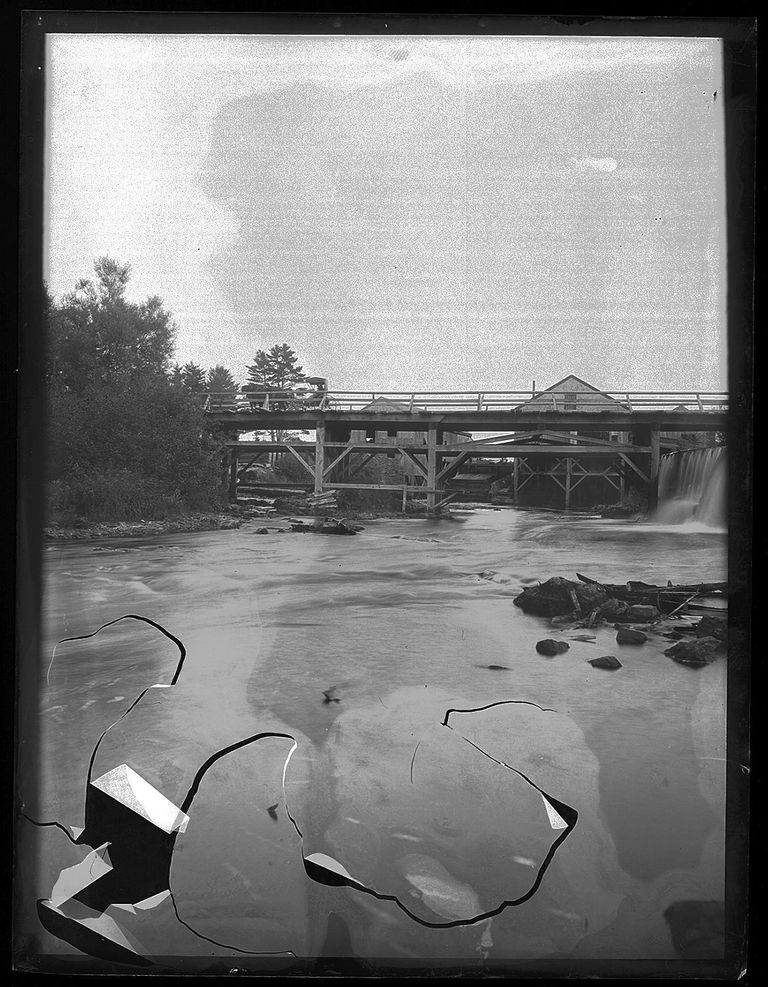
x,y
559,596
590,596
710,626
642,612
613,609
701,651
550,647
625,635
605,661
261,531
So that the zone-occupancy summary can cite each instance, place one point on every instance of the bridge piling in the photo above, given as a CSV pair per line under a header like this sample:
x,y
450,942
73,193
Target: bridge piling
x,y
653,473
431,468
232,487
319,455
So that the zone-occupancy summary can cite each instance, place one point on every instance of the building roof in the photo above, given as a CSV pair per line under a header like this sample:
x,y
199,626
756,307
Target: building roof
x,y
573,384
385,404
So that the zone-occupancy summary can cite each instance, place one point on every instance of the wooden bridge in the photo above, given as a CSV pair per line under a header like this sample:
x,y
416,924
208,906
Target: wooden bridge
x,y
610,434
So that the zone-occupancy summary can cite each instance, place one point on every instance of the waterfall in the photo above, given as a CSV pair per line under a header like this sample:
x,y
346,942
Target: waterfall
x,y
692,487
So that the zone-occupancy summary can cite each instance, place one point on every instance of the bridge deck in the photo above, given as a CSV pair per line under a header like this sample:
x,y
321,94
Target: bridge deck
x,y
478,421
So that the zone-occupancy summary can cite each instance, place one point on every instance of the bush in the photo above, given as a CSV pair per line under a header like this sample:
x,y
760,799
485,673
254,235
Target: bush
x,y
110,495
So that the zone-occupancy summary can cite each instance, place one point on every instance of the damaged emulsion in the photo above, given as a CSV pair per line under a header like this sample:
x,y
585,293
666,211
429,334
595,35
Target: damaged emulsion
x,y
133,828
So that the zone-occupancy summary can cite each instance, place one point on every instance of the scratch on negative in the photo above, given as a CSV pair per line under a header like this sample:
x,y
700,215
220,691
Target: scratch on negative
x,y
413,759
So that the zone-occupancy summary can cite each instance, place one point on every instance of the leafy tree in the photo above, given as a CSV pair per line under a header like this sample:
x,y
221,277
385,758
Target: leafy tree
x,y
274,370
220,379
126,437
97,337
193,377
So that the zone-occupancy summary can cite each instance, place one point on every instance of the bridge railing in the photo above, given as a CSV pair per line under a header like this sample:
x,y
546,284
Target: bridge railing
x,y
259,401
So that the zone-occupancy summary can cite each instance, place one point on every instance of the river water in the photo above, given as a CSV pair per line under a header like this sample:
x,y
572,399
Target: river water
x,y
399,621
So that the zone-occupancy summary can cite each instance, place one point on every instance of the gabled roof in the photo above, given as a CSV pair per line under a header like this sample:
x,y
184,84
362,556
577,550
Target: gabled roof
x,y
572,379
385,404
578,381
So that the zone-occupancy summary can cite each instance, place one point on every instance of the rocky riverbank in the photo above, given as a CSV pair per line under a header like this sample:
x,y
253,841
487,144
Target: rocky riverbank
x,y
136,529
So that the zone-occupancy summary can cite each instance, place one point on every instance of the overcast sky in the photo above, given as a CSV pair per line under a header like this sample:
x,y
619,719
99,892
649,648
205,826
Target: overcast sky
x,y
407,212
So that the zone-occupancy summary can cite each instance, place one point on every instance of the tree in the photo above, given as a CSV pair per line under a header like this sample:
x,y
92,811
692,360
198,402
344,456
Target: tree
x,y
97,337
220,379
274,370
126,437
193,378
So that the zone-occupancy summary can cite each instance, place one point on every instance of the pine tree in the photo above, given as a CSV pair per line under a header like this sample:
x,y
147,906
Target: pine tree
x,y
193,377
274,370
220,379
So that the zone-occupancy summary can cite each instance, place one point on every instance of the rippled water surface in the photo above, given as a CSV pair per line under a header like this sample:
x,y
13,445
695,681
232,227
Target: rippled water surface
x,y
400,622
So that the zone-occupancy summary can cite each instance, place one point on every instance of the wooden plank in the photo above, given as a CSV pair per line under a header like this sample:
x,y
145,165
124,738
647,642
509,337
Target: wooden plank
x,y
384,486
337,460
361,465
419,464
507,451
232,492
452,468
525,479
300,459
653,477
432,466
636,468
319,455
445,500
244,469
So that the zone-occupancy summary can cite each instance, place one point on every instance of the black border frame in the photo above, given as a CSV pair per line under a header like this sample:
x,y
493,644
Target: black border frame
x,y
738,34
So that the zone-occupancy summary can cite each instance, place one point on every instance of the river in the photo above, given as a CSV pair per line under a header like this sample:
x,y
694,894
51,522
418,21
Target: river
x,y
401,625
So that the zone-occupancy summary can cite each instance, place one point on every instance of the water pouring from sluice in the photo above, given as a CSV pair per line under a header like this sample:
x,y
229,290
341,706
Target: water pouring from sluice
x,y
692,487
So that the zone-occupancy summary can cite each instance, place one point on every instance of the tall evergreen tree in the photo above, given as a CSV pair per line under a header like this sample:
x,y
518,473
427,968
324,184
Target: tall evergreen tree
x,y
274,369
193,377
220,379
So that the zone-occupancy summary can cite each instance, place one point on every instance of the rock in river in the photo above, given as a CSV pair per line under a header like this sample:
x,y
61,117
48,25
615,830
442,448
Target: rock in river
x,y
613,609
702,651
710,626
551,647
625,635
640,612
560,596
605,661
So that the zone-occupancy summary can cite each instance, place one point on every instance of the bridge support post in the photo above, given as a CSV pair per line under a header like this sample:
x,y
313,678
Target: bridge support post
x,y
516,478
232,486
431,468
319,455
653,474
567,483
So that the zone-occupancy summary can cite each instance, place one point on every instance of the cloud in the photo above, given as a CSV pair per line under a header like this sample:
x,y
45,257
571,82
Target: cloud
x,y
596,164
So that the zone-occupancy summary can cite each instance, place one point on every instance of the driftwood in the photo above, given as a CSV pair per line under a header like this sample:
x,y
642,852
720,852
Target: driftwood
x,y
669,599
